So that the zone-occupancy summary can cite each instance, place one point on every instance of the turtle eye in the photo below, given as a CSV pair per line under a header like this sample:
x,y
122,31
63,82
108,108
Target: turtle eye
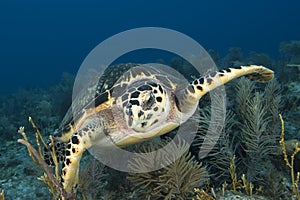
x,y
128,111
150,101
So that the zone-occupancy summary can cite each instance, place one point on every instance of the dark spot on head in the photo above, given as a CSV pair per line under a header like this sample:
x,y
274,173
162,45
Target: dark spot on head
x,y
153,84
155,109
196,82
144,87
191,89
135,94
159,99
201,80
239,67
62,180
209,81
199,87
134,102
155,121
64,172
144,124
69,146
213,74
228,70
140,113
73,150
147,105
163,110
221,74
155,91
177,102
149,116
68,161
75,140
160,89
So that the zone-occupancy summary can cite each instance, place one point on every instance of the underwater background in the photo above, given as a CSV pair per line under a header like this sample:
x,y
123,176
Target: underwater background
x,y
43,43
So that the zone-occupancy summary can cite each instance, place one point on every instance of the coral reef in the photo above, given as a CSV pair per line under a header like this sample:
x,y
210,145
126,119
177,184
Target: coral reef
x,y
50,178
291,51
290,163
246,161
176,180
2,195
91,175
260,59
258,136
244,153
234,57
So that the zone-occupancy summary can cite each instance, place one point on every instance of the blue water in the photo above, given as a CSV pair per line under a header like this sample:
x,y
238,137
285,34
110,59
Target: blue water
x,y
41,39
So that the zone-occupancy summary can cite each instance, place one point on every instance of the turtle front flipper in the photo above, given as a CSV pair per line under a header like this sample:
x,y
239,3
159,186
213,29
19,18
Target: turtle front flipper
x,y
201,86
78,143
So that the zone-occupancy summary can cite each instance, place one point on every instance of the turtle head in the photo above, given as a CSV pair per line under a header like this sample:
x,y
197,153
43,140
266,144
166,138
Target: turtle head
x,y
145,106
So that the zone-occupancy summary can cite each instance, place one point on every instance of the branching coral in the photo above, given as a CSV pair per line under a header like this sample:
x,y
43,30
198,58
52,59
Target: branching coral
x,y
176,180
256,142
2,195
290,163
201,195
236,184
219,157
90,179
241,157
258,133
49,178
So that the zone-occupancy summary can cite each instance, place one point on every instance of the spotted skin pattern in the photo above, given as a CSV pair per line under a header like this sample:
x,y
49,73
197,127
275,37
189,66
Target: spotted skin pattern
x,y
201,86
141,105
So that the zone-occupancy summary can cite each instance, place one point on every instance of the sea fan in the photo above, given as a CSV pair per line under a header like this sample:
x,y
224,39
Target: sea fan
x,y
176,180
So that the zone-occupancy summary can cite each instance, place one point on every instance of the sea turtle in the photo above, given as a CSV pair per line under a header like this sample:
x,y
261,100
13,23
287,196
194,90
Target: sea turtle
x,y
133,103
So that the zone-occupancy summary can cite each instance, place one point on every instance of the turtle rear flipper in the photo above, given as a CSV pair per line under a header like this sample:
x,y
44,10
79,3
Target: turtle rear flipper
x,y
199,87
